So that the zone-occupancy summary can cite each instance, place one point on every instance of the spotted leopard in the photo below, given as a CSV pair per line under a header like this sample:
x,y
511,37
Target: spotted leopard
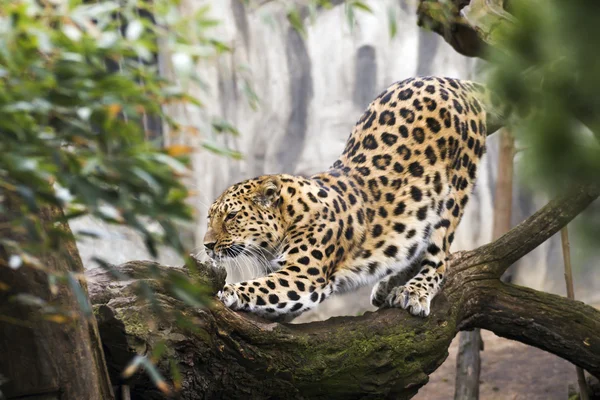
x,y
386,211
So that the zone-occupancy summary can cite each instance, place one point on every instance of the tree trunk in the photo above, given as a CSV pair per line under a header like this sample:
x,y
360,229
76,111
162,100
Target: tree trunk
x,y
468,366
503,194
40,359
564,236
468,361
385,354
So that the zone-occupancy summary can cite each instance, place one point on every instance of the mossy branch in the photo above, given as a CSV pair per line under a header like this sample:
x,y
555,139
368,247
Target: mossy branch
x,y
529,234
385,354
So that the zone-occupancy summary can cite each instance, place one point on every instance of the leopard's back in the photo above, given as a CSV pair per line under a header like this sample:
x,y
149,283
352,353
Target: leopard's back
x,y
414,154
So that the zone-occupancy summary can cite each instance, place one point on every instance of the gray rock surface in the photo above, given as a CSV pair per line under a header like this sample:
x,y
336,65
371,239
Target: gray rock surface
x,y
312,89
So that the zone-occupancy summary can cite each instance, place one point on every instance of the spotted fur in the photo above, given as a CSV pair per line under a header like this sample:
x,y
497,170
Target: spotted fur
x,y
385,211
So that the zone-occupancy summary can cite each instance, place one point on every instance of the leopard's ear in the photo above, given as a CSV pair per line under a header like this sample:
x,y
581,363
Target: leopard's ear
x,y
268,192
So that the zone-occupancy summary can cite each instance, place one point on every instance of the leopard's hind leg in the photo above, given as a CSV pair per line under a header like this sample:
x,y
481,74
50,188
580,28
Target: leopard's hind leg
x,y
383,288
418,292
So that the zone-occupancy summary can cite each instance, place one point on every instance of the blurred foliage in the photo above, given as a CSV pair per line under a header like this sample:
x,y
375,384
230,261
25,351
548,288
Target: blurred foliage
x,y
546,66
77,87
79,83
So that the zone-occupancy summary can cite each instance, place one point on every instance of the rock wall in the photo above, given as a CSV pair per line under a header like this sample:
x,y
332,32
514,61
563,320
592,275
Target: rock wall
x,y
311,90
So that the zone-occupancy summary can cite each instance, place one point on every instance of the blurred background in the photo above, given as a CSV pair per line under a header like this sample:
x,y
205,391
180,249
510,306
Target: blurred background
x,y
294,99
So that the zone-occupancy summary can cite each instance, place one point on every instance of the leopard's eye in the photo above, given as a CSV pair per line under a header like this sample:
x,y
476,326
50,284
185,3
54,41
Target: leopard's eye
x,y
231,215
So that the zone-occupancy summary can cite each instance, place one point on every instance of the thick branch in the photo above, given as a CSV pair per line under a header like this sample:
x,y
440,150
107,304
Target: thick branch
x,y
530,233
383,354
469,26
556,324
386,354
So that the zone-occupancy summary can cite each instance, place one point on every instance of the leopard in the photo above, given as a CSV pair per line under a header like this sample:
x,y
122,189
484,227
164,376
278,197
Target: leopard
x,y
384,213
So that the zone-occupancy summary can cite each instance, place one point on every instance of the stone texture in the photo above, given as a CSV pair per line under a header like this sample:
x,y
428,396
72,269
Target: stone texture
x,y
312,89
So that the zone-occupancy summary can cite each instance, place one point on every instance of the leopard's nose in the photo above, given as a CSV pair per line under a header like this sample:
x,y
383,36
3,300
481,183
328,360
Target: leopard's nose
x,y
210,245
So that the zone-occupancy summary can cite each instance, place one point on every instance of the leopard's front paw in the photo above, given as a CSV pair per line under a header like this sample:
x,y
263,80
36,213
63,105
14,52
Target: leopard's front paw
x,y
410,297
229,296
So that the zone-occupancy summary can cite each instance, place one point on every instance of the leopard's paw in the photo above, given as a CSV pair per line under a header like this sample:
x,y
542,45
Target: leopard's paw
x,y
379,294
410,297
229,296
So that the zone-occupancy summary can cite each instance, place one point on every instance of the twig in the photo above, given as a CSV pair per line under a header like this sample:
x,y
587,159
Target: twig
x,y
566,248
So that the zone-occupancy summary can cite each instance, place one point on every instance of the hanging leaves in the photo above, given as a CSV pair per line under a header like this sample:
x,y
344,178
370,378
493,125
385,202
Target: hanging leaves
x,y
78,84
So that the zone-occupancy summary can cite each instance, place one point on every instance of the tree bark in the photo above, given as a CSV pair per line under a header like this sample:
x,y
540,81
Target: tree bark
x,y
446,21
503,195
385,354
468,361
566,248
468,365
40,359
469,26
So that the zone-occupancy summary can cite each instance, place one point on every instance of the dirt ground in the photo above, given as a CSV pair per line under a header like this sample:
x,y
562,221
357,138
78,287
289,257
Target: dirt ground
x,y
509,371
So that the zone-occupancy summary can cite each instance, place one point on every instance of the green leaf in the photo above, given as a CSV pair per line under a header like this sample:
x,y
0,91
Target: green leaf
x,y
133,366
360,6
94,234
29,300
295,19
174,164
175,374
220,46
148,178
224,126
188,291
350,17
80,295
28,195
96,10
392,22
110,269
215,148
156,377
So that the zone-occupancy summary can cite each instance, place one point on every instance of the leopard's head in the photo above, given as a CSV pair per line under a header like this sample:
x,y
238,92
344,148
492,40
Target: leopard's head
x,y
246,220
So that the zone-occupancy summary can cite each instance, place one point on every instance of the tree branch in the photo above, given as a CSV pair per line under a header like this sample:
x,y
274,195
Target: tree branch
x,y
386,354
567,328
445,19
529,234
